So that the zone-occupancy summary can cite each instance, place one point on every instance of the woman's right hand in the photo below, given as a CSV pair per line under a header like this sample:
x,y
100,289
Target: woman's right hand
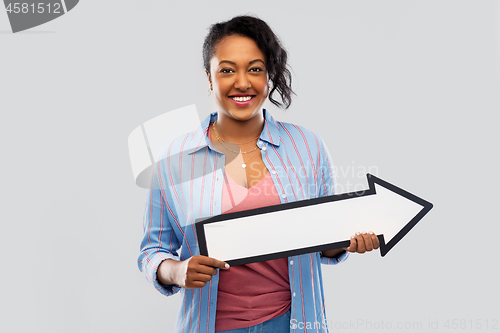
x,y
191,273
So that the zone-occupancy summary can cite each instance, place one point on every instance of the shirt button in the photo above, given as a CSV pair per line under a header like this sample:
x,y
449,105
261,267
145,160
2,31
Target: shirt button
x,y
273,172
293,294
291,262
283,195
264,148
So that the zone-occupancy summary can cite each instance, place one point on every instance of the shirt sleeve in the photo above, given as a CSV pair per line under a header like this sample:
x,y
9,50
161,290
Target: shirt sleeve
x,y
334,260
159,241
326,180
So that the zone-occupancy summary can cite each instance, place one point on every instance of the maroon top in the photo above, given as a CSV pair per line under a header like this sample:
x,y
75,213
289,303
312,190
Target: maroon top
x,y
251,294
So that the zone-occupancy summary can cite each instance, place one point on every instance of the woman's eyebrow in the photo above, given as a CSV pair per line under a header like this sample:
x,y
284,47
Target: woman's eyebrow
x,y
232,63
256,60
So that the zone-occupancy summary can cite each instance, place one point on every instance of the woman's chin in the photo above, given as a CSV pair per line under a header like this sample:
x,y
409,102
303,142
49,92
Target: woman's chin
x,y
244,114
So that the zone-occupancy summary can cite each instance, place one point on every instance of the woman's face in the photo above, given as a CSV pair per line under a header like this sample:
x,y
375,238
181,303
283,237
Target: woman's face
x,y
239,77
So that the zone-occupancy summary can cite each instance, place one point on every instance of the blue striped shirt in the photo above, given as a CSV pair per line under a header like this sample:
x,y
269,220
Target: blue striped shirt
x,y
188,185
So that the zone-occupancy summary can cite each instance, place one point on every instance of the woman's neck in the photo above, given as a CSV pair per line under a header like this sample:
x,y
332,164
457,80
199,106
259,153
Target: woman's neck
x,y
232,130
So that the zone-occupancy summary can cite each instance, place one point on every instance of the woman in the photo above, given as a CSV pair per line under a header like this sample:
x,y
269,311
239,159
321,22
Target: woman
x,y
240,158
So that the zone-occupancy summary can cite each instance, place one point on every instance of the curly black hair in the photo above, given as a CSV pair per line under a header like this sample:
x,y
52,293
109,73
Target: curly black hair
x,y
268,43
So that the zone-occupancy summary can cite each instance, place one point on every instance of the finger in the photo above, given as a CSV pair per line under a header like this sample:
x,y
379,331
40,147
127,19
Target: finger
x,y
208,261
368,241
196,284
361,243
375,241
219,264
353,246
201,277
209,270
197,264
197,280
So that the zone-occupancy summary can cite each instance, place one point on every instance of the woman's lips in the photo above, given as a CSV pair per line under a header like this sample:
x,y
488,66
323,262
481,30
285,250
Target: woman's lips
x,y
242,100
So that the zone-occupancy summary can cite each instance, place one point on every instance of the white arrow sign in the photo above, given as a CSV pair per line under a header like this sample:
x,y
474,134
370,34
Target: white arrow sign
x,y
311,225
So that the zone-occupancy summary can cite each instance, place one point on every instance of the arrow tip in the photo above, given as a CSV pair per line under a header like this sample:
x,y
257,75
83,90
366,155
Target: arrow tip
x,y
414,209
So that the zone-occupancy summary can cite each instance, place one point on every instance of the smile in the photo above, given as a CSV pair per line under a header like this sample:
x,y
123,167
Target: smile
x,y
241,98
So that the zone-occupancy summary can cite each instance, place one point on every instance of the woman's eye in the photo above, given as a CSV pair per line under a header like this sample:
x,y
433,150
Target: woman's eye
x,y
256,69
226,70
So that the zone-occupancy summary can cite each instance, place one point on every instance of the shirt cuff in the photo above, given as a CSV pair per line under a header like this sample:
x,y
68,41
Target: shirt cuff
x,y
341,257
150,266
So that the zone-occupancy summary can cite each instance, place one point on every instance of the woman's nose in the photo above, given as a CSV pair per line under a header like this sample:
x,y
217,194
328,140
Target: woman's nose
x,y
242,82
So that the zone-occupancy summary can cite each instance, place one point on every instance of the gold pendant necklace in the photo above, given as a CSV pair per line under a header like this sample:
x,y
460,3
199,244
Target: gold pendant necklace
x,y
222,140
243,165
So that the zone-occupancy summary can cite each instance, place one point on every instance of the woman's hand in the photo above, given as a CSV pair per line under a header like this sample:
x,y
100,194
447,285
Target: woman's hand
x,y
363,242
191,273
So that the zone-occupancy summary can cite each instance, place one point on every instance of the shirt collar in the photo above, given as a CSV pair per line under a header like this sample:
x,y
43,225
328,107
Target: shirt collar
x,y
199,138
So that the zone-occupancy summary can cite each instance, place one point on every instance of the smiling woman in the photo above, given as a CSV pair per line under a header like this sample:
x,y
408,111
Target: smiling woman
x,y
248,160
240,86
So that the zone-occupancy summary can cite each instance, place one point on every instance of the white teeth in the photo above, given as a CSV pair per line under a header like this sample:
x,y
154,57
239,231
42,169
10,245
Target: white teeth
x,y
242,99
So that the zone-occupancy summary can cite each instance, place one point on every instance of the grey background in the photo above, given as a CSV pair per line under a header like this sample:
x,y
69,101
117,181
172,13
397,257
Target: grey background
x,y
410,88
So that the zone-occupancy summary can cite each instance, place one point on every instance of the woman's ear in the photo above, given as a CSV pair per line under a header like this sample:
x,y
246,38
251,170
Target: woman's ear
x,y
209,79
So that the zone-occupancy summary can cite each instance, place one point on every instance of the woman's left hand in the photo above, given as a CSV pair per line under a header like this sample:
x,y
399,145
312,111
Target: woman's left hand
x,y
363,242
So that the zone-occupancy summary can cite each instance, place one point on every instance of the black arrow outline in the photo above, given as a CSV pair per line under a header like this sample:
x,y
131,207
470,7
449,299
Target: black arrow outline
x,y
372,180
